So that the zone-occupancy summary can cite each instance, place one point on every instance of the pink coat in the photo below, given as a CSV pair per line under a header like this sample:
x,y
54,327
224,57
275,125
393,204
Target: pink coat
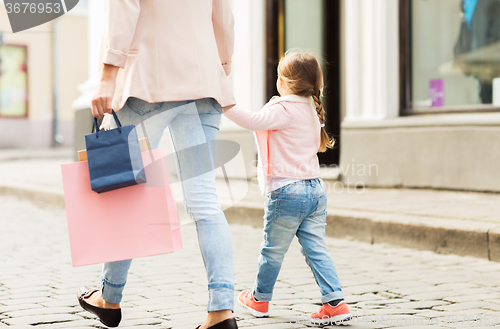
x,y
287,131
170,50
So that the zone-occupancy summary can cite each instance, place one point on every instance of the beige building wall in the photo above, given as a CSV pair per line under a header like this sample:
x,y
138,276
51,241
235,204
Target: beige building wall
x,y
36,129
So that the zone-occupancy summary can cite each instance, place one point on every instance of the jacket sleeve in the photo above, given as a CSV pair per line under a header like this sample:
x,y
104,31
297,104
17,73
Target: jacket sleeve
x,y
275,117
223,23
121,22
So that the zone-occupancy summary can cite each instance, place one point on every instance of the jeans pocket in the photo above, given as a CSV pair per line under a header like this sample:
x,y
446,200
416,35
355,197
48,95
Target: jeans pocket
x,y
320,212
140,106
289,212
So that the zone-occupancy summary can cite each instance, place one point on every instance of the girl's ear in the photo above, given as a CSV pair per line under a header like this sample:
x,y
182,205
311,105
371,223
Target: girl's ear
x,y
282,82
279,84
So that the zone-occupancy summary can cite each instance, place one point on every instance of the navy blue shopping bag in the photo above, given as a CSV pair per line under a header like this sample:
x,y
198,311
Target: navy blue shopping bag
x,y
114,158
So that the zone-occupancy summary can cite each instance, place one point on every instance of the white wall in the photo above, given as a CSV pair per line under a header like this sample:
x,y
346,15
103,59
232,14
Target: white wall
x,y
248,66
371,59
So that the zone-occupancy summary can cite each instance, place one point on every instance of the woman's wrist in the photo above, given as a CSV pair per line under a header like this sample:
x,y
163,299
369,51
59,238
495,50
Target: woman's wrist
x,y
109,73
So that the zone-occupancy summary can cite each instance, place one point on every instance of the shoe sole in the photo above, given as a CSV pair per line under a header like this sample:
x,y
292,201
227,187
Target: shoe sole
x,y
341,319
255,313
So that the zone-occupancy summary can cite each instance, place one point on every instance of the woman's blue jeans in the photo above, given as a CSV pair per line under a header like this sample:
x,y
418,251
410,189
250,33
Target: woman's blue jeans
x,y
191,123
297,209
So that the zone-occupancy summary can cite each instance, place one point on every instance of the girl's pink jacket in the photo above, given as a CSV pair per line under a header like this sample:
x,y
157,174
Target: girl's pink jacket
x,y
287,131
170,50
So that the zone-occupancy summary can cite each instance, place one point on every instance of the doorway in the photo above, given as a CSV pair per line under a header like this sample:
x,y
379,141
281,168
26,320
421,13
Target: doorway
x,y
309,25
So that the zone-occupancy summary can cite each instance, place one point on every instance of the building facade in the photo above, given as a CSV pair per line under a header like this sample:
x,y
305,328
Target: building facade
x,y
40,70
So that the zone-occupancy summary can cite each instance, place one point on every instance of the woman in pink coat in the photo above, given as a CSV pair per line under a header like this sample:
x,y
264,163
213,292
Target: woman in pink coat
x,y
165,64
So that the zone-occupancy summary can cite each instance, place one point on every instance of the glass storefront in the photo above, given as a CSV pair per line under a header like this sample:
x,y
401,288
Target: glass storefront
x,y
455,54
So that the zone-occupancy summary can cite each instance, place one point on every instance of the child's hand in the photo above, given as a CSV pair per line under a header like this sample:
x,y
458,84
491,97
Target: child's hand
x,y
106,122
227,108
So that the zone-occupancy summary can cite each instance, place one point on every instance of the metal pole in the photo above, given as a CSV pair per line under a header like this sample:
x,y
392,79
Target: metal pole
x,y
57,139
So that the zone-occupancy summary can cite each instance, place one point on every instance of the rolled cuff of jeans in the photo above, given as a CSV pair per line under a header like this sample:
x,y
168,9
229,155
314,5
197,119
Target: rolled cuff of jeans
x,y
112,293
262,297
220,298
332,296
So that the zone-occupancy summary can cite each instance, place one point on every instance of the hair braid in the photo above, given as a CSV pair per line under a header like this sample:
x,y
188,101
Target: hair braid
x,y
326,142
303,76
319,106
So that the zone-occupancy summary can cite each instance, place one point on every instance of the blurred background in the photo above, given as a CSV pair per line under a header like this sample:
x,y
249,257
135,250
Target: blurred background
x,y
412,95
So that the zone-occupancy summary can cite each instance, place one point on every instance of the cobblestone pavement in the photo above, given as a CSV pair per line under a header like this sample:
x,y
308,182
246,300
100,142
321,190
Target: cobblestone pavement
x,y
385,286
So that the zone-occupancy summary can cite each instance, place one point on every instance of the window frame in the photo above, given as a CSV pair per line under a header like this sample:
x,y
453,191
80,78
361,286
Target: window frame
x,y
26,115
405,72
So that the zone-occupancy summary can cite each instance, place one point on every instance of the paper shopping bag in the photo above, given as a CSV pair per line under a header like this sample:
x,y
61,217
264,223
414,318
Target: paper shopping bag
x,y
130,222
114,158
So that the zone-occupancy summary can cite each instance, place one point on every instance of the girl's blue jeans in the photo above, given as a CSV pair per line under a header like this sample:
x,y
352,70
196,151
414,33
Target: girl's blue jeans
x,y
190,123
297,209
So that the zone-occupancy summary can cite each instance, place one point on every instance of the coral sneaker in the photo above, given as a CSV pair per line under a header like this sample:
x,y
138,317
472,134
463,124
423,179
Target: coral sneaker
x,y
332,315
258,309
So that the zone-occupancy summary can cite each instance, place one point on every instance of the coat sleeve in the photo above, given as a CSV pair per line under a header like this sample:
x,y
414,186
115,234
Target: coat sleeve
x,y
121,22
223,22
275,117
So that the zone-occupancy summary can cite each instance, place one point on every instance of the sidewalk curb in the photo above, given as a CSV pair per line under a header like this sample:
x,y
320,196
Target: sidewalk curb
x,y
36,195
440,235
443,236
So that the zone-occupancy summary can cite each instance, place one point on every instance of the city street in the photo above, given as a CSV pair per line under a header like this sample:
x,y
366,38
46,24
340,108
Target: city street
x,y
399,100
385,286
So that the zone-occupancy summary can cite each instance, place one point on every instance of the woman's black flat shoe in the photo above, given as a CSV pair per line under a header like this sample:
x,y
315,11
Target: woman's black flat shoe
x,y
226,324
109,317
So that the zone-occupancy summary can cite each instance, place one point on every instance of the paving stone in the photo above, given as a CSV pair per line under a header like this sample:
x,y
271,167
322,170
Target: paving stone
x,y
41,311
143,322
373,288
464,306
427,304
382,302
363,297
41,319
492,297
59,303
19,307
186,320
429,295
83,323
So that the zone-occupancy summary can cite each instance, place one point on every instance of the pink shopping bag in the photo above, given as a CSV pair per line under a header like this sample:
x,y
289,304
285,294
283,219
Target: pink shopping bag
x,y
127,223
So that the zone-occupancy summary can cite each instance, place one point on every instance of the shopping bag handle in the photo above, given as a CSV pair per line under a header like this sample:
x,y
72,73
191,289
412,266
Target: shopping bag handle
x,y
96,126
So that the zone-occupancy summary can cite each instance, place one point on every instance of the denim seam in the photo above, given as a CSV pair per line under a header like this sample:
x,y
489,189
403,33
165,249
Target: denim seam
x,y
216,285
141,111
184,198
298,196
114,285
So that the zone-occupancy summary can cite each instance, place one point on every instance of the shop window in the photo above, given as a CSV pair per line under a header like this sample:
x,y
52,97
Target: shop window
x,y
450,55
13,81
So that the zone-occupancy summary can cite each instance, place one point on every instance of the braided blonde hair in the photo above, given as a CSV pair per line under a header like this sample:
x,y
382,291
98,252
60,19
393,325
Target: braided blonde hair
x,y
303,77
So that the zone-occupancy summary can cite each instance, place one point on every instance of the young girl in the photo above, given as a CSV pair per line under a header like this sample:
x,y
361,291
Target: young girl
x,y
289,132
